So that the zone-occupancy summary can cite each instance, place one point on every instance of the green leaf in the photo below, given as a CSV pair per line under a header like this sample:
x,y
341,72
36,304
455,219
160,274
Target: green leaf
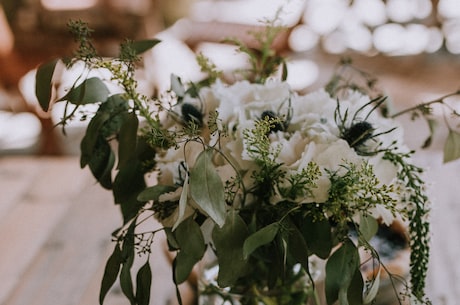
x,y
229,241
355,290
260,238
207,189
143,284
317,235
452,146
127,139
177,87
431,125
284,70
373,289
368,227
127,251
112,268
128,183
140,46
340,270
191,249
102,162
92,135
92,90
117,106
43,83
182,203
296,244
154,192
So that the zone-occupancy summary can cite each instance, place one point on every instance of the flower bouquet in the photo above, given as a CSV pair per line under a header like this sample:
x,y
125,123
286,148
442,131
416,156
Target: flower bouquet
x,y
284,190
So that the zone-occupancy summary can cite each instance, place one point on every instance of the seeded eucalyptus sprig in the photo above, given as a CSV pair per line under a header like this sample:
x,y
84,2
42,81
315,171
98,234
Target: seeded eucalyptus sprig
x,y
264,60
419,226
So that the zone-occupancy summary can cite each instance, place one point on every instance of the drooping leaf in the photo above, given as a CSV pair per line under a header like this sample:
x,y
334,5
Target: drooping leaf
x,y
102,162
260,238
452,146
127,251
284,73
92,135
296,245
340,270
117,106
355,290
140,46
128,183
368,227
90,91
112,268
182,203
431,126
191,249
372,290
43,83
317,235
127,139
154,192
143,284
229,241
207,189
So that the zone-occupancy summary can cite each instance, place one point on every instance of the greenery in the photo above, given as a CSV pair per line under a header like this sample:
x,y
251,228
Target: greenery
x,y
269,184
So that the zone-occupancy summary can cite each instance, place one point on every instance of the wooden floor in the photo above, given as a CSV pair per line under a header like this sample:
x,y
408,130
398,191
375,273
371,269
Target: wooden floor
x,y
55,228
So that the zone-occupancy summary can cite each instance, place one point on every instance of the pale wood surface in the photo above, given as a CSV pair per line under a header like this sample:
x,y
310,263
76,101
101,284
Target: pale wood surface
x,y
55,226
55,236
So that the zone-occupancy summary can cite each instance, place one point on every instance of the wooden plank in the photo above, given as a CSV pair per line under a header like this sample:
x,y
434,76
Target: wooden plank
x,y
38,199
76,248
23,234
15,177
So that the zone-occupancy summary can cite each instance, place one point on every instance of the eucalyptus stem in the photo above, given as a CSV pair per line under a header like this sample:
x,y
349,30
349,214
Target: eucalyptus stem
x,y
426,104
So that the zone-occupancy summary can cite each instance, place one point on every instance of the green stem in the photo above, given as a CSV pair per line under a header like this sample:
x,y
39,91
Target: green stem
x,y
436,101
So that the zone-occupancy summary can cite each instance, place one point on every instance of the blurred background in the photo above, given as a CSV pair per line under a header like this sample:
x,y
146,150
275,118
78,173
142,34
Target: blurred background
x,y
54,219
408,44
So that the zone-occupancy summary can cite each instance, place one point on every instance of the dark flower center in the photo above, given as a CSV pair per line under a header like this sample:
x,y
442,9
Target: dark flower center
x,y
270,115
358,133
190,114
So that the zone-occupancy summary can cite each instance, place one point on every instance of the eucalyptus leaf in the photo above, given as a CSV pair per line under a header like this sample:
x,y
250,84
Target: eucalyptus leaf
x,y
92,135
340,270
143,284
260,238
182,203
126,282
112,268
191,244
127,139
317,234
140,46
296,245
452,146
368,227
128,183
43,83
431,125
177,87
207,189
154,192
101,163
127,252
355,290
373,289
229,241
90,91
